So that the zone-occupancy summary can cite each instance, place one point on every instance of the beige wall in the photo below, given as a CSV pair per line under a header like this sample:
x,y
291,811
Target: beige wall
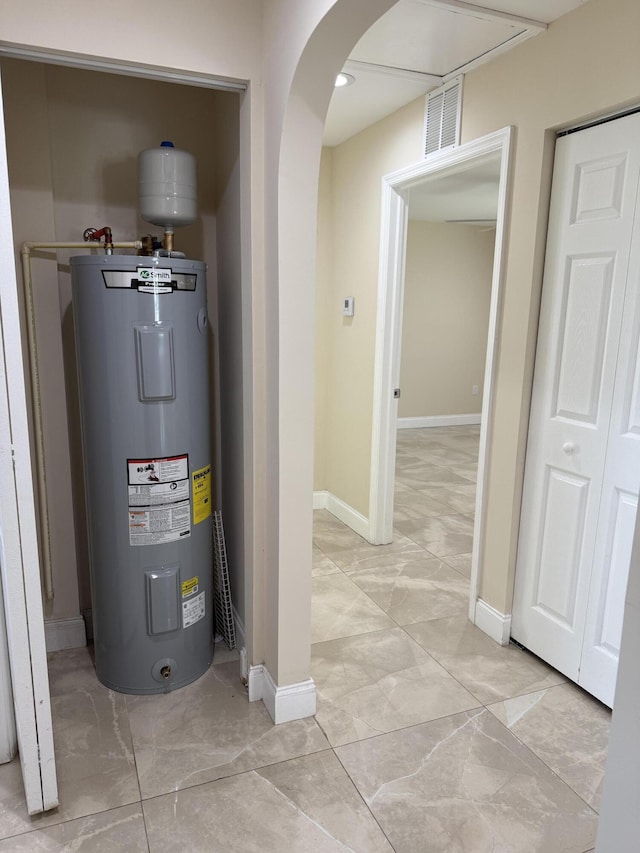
x,y
587,64
447,290
325,308
358,166
73,138
31,183
213,37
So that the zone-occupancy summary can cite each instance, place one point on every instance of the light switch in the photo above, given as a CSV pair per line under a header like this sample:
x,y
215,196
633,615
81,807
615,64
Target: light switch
x,y
347,306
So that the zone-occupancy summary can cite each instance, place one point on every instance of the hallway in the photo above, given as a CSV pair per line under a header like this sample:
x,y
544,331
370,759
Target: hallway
x,y
429,738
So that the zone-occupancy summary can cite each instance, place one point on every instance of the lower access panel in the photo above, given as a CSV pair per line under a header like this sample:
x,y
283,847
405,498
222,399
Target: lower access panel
x,y
162,600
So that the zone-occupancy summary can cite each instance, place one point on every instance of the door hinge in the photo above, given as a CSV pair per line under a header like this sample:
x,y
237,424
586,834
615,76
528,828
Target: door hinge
x,y
396,393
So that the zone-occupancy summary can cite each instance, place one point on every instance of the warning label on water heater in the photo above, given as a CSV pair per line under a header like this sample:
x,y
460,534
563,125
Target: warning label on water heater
x,y
201,490
159,500
193,611
158,524
167,470
162,493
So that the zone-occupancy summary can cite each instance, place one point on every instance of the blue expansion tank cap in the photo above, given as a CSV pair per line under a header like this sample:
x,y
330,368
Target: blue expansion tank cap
x,y
167,144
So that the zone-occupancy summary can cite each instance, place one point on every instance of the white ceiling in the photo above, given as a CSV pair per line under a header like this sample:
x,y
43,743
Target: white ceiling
x,y
419,44
534,10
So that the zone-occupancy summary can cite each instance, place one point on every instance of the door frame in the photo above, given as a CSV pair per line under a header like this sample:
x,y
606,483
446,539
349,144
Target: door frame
x,y
8,735
393,242
20,563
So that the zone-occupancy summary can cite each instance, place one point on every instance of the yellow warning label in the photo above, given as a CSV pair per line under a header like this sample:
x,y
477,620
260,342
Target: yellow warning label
x,y
201,491
189,587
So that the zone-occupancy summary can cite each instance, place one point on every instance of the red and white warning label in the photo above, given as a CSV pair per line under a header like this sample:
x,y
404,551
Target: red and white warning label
x,y
148,471
159,500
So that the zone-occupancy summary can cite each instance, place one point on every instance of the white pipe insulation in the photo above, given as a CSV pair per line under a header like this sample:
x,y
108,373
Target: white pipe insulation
x,y
27,249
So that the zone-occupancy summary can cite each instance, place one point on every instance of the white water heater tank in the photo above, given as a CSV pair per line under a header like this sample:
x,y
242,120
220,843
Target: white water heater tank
x,y
167,186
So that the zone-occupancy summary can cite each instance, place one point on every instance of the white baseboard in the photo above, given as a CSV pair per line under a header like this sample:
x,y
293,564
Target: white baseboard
x,y
438,421
255,682
320,500
497,625
62,634
342,511
291,702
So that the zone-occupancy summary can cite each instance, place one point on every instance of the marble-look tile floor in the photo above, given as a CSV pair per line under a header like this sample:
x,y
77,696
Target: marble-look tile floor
x,y
428,736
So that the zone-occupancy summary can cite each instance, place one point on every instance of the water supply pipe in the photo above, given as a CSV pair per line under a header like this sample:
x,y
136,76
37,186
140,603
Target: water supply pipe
x,y
34,373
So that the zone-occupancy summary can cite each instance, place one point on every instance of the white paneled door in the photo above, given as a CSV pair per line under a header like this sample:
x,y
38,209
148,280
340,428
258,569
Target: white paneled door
x,y
582,473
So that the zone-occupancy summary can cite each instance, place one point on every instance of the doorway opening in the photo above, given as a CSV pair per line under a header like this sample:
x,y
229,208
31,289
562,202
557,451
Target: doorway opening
x,y
483,155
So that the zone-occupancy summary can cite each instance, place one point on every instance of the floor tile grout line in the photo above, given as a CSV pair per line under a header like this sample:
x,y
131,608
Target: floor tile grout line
x,y
359,634
482,708
486,706
409,553
479,707
539,758
468,689
328,749
533,752
364,802
146,828
31,830
386,612
446,669
246,770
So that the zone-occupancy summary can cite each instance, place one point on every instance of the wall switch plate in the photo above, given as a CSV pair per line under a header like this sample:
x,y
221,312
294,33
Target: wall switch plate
x,y
474,391
348,306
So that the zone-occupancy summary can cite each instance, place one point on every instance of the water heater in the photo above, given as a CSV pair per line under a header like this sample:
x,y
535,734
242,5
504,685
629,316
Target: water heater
x,y
142,353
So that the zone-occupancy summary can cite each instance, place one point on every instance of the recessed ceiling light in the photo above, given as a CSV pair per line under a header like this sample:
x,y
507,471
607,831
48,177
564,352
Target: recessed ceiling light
x,y
344,79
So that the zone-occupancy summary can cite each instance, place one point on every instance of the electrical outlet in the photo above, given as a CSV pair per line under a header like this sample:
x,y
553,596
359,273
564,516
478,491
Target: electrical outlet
x,y
474,391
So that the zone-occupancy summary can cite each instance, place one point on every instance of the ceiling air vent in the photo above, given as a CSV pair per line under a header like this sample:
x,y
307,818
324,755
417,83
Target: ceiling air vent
x,y
442,117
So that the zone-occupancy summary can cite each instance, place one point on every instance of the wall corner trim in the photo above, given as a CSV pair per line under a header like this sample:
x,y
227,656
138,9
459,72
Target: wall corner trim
x,y
494,623
284,704
62,634
438,421
343,512
255,682
239,627
320,499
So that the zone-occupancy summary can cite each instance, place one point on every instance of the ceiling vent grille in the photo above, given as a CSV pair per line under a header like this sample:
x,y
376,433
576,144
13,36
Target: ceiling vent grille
x,y
442,117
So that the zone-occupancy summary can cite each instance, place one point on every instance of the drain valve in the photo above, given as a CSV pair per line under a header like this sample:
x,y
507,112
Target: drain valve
x,y
166,672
